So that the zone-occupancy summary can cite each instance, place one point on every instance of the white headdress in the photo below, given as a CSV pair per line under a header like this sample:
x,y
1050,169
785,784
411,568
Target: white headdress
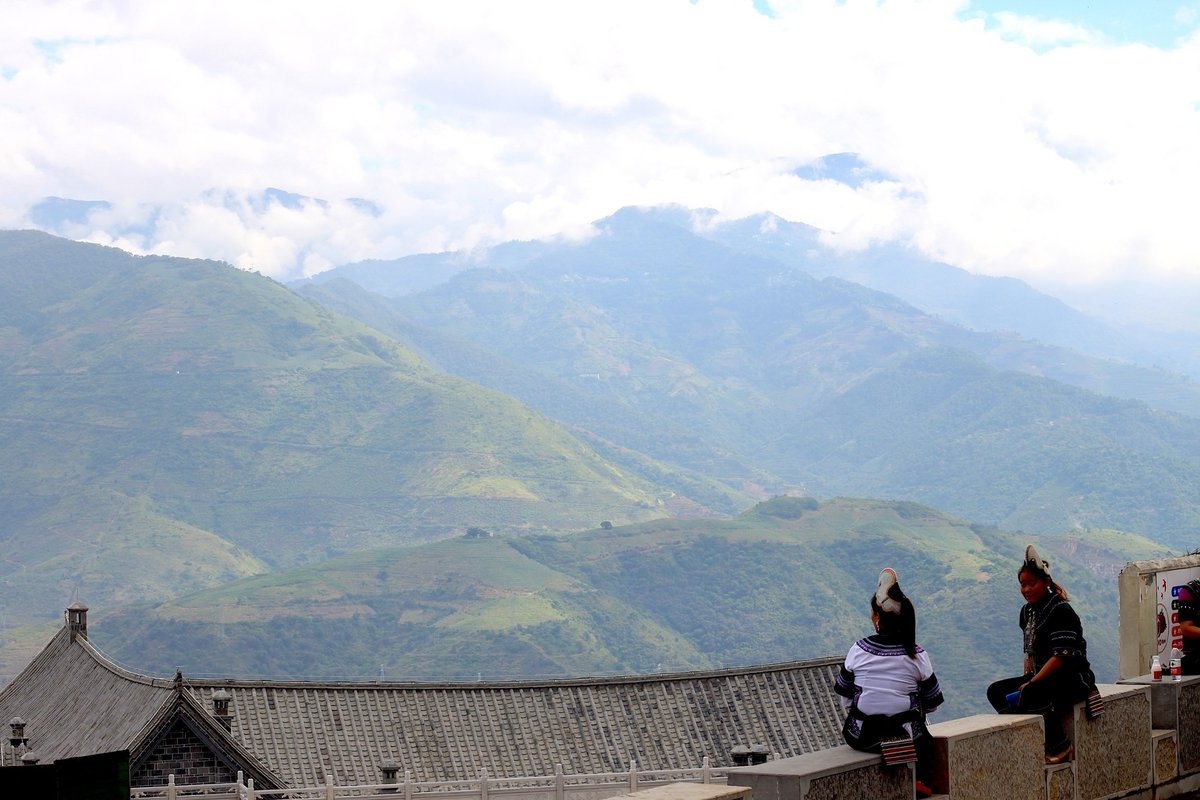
x,y
1033,559
883,591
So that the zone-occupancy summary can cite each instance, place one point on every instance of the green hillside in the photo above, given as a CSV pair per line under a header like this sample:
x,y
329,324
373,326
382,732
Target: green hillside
x,y
789,578
1029,453
168,424
795,384
1051,337
611,422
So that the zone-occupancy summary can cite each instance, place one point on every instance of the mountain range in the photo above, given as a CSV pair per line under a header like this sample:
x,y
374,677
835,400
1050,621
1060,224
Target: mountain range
x,y
209,457
798,384
168,424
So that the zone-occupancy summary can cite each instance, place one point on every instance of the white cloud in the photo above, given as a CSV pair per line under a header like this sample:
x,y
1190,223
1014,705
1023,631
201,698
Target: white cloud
x,y
1028,148
1042,33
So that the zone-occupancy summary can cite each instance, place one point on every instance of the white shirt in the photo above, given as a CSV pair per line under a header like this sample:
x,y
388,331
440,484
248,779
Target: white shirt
x,y
885,678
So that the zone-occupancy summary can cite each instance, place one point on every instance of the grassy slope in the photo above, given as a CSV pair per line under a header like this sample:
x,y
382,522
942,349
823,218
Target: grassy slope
x,y
453,608
1028,453
608,420
787,579
216,422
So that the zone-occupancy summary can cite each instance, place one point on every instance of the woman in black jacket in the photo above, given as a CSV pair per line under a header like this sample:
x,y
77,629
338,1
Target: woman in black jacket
x,y
1057,673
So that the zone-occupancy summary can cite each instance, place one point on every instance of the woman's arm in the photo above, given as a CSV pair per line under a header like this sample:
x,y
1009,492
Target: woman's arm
x,y
929,692
1052,663
844,685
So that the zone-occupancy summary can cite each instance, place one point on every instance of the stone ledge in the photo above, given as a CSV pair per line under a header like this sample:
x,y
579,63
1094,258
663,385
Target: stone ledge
x,y
816,764
1176,704
1114,755
690,791
1164,696
981,725
967,752
825,774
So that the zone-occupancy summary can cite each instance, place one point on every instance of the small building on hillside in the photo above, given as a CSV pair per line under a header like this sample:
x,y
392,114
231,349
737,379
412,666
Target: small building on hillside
x,y
76,702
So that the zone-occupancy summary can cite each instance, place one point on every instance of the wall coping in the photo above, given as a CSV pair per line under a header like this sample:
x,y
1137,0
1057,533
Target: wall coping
x,y
980,725
1146,680
1112,691
816,764
690,791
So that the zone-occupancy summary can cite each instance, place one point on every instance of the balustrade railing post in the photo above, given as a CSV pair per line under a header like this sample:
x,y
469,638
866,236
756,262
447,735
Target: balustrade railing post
x,y
244,787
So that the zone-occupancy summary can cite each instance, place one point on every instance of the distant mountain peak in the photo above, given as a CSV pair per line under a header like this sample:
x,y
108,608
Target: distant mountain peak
x,y
847,168
52,213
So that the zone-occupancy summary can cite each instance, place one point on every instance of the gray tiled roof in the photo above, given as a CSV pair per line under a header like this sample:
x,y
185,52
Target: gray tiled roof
x,y
77,703
453,731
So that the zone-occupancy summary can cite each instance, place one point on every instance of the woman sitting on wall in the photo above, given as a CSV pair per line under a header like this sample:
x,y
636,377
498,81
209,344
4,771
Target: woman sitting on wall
x,y
1057,673
887,682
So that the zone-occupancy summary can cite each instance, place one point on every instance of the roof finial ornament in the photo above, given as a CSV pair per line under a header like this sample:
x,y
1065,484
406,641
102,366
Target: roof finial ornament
x,y
76,614
18,737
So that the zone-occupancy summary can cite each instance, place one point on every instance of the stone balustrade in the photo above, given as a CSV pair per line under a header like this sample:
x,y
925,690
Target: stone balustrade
x,y
1146,745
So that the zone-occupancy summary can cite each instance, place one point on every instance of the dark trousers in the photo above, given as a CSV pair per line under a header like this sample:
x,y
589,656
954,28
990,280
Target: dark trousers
x,y
1047,698
876,727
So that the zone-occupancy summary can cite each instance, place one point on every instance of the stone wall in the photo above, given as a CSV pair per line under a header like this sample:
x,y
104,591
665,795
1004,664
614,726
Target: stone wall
x,y
182,753
1133,750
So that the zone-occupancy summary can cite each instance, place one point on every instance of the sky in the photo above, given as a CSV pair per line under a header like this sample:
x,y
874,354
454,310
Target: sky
x,y
1051,141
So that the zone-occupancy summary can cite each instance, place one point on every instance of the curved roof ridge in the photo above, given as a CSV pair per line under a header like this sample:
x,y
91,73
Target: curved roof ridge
x,y
597,680
120,670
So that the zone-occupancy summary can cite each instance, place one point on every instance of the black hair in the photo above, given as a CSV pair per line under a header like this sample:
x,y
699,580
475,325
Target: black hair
x,y
902,625
1040,569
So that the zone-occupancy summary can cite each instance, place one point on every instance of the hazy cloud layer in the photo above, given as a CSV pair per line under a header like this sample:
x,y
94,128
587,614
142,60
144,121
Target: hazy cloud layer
x,y
1005,144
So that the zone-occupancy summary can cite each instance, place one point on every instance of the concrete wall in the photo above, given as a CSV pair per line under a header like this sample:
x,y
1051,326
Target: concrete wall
x,y
1129,751
838,772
